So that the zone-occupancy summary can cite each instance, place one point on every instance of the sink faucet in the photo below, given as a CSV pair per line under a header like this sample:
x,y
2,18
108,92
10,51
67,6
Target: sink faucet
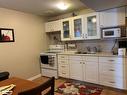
x,y
88,49
95,49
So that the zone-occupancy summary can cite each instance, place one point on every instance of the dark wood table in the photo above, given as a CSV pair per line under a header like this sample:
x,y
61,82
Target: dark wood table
x,y
21,84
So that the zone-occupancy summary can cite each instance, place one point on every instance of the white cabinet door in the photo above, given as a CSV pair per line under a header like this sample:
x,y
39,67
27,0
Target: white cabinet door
x,y
92,30
78,27
48,27
53,26
84,71
66,29
91,72
112,17
76,71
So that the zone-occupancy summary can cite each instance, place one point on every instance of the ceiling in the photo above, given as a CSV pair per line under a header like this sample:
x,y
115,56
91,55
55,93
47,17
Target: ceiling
x,y
99,5
41,7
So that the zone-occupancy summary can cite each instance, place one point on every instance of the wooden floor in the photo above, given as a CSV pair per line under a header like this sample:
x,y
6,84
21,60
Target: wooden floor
x,y
106,90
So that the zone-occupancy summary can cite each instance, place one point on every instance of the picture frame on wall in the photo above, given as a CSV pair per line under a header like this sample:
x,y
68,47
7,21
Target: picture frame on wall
x,y
6,35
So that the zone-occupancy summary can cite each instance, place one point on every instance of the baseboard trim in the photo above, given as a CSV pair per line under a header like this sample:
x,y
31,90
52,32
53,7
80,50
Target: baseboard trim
x,y
34,77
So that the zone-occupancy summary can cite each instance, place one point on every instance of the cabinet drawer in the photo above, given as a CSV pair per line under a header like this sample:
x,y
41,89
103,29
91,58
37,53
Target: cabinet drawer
x,y
75,57
64,74
90,58
63,68
111,69
62,61
111,59
62,57
112,82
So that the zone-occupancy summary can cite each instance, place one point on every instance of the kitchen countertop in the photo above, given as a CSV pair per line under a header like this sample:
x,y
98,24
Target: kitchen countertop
x,y
100,54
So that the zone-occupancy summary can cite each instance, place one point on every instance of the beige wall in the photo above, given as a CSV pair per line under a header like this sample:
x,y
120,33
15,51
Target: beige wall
x,y
21,58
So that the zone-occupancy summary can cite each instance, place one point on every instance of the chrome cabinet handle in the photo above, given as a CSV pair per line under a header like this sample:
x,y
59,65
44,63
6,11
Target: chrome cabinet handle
x,y
62,62
112,82
111,70
111,60
82,35
85,35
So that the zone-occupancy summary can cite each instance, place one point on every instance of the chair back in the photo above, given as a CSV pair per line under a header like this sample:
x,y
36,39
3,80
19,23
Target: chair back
x,y
39,89
4,75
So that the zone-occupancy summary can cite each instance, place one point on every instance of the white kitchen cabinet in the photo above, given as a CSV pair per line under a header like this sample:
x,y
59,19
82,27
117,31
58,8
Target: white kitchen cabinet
x,y
91,69
72,28
63,66
81,27
78,28
108,71
112,17
53,26
111,72
84,68
92,29
76,70
66,29
76,67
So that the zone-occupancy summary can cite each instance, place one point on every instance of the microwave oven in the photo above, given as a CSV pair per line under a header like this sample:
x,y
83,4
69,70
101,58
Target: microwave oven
x,y
111,32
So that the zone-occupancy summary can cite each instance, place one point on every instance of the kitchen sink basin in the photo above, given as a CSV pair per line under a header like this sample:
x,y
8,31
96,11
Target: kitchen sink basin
x,y
85,52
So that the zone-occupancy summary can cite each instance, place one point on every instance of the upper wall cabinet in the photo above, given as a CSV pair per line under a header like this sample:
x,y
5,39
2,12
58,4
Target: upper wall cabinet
x,y
66,29
112,17
92,30
53,26
72,28
81,27
78,28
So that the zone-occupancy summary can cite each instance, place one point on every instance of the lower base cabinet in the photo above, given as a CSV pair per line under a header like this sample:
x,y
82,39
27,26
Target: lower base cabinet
x,y
112,82
92,72
112,72
76,70
63,66
107,71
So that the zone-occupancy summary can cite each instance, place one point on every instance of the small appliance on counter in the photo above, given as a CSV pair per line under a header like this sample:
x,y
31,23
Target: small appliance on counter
x,y
122,47
72,48
122,51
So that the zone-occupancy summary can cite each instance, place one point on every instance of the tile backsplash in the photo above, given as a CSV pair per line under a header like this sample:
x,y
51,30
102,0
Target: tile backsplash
x,y
102,45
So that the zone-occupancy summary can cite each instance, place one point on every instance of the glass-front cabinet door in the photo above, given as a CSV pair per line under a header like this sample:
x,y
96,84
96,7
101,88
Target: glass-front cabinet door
x,y
92,26
77,27
66,29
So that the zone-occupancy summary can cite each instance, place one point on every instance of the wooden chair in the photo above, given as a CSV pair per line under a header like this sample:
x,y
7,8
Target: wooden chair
x,y
4,75
39,89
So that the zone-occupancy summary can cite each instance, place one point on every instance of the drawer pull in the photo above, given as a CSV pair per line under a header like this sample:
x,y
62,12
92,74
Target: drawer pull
x,y
62,61
111,82
80,62
63,73
63,66
111,60
111,70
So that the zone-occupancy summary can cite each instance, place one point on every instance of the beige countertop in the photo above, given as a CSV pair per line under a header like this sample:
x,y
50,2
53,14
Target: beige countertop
x,y
100,54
